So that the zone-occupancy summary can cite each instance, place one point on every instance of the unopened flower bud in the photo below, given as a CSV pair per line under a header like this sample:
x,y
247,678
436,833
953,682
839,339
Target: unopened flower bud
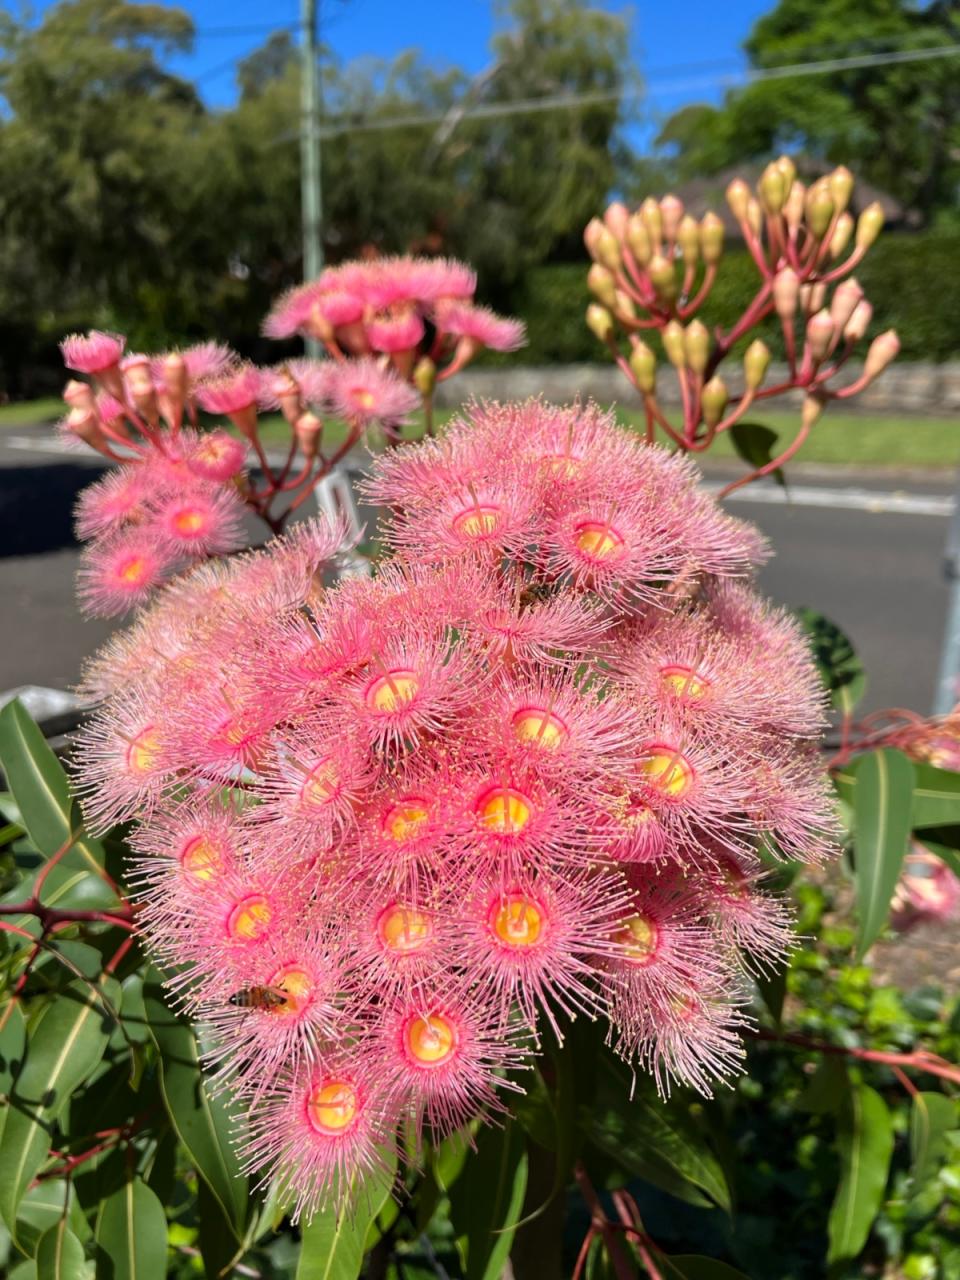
x,y
820,331
696,345
608,249
84,424
841,186
795,204
841,235
756,362
754,216
652,219
811,411
623,306
713,400
674,344
425,375
643,366
869,225
140,389
78,395
285,388
820,208
638,240
601,284
858,324
590,233
786,291
738,197
671,211
688,238
307,429
772,189
711,237
664,278
881,352
600,322
788,169
615,217
812,297
174,377
846,298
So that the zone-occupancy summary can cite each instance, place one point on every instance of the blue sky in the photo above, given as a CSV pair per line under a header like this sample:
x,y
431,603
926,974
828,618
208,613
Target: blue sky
x,y
683,48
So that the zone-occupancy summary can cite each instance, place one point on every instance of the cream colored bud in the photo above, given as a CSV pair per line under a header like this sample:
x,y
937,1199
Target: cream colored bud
x,y
307,429
713,400
788,169
608,250
696,345
652,219
623,306
796,203
600,322
881,352
845,300
754,216
615,217
663,277
738,197
590,232
756,362
812,297
602,285
173,375
841,235
786,292
78,395
674,344
671,211
869,225
140,389
820,331
643,366
285,388
711,238
638,240
425,373
772,189
820,208
84,424
858,324
841,186
811,411
688,238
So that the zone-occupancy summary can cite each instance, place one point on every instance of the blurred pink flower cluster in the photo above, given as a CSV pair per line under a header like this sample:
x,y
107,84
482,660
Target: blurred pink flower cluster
x,y
392,831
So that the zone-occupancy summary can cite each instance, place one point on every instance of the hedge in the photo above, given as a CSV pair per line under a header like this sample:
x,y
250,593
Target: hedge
x,y
913,281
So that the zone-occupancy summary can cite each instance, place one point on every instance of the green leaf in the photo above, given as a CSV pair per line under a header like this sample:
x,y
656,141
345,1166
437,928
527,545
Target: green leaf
x,y
64,1046
654,1140
840,669
42,1207
691,1266
40,787
932,1117
487,1200
936,797
882,804
333,1243
203,1123
13,1038
60,1255
755,444
132,1233
865,1144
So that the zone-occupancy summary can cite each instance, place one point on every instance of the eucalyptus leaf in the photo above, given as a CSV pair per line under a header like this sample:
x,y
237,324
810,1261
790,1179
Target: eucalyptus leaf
x,y
882,805
932,1117
335,1238
486,1201
132,1234
60,1255
865,1145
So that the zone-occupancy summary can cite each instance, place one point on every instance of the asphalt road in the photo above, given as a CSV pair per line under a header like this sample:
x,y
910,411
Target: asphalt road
x,y
876,572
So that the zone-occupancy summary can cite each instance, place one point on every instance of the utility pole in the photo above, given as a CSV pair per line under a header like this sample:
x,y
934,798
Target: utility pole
x,y
311,190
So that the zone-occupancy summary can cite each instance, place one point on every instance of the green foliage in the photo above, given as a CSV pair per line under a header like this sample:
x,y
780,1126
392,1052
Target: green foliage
x,y
882,806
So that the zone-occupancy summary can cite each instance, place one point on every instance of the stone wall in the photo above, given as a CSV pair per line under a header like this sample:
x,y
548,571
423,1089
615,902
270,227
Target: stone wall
x,y
932,389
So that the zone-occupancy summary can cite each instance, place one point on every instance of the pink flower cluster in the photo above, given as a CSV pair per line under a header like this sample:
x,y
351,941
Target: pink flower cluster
x,y
392,829
402,308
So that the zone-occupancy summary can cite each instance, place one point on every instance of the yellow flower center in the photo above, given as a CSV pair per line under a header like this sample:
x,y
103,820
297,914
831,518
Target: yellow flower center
x,y
332,1107
431,1040
201,859
189,521
539,727
638,936
404,929
407,818
296,985
134,572
667,771
362,398
598,540
320,786
250,918
392,691
504,811
477,521
517,921
143,750
684,682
